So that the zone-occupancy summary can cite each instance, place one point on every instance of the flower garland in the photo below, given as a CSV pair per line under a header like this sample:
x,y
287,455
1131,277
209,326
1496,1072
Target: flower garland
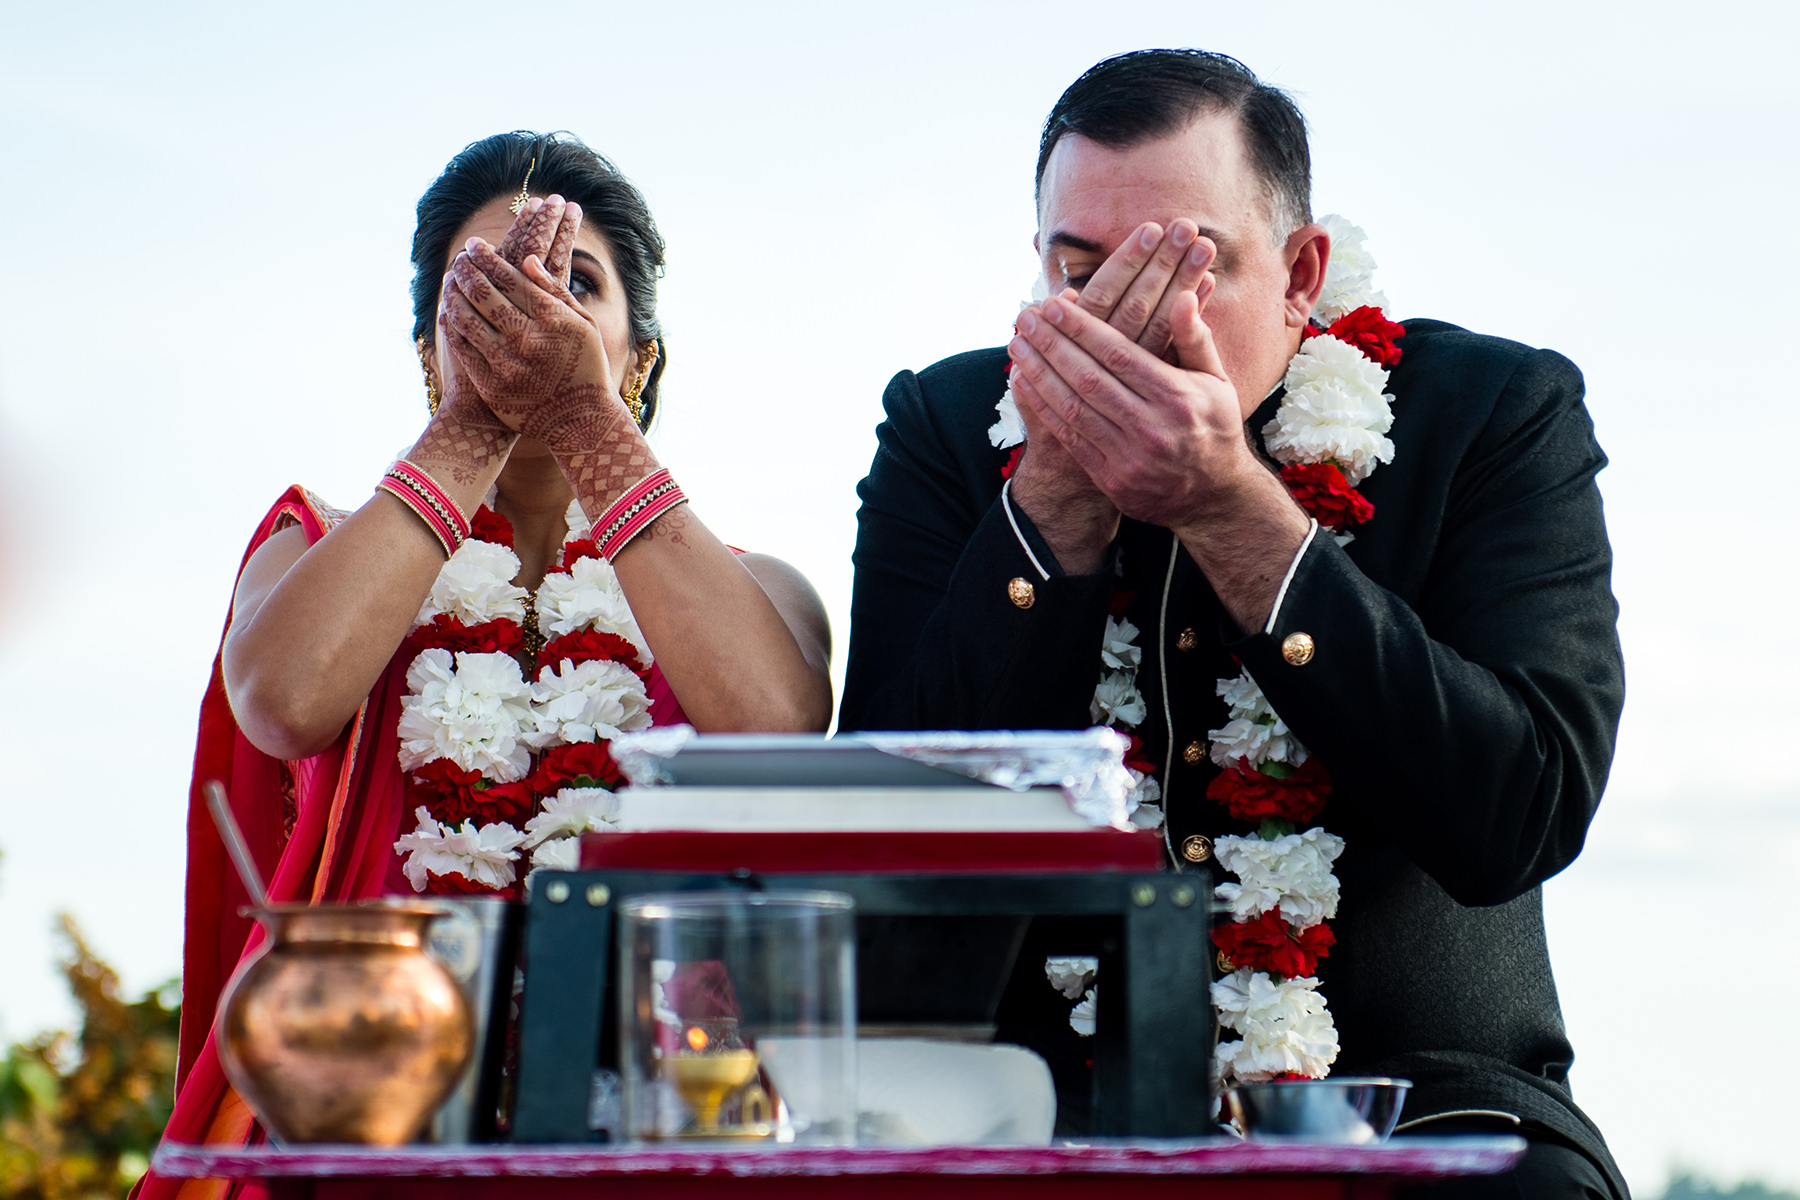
x,y
498,765
1327,436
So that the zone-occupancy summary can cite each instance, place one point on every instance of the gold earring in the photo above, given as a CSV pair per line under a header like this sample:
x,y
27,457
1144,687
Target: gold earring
x,y
633,397
433,397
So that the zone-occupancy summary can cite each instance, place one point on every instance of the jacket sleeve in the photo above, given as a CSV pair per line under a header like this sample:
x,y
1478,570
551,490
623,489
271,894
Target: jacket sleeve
x,y
1476,728
937,641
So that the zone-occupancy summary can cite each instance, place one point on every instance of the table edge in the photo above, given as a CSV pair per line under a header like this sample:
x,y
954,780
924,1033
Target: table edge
x,y
1407,1158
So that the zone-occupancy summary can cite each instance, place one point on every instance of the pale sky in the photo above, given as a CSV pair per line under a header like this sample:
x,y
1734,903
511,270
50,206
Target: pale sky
x,y
210,210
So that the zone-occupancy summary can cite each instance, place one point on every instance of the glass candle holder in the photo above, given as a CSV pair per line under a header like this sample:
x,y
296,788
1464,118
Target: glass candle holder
x,y
738,1016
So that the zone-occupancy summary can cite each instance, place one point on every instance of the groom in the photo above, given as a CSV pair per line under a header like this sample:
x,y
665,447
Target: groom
x,y
1453,668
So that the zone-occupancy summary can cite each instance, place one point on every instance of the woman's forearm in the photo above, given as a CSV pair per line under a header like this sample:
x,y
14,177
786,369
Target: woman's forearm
x,y
313,628
739,658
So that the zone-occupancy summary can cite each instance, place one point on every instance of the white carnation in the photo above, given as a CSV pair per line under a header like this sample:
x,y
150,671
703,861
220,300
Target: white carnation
x,y
1117,700
588,596
1350,273
1071,976
577,522
1081,1017
485,855
586,702
1244,698
476,586
471,709
1285,1026
572,811
1255,743
1144,790
1293,871
558,854
1118,646
1334,409
1009,430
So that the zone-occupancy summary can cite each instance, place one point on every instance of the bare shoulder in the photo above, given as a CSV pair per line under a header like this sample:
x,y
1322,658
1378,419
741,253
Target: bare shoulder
x,y
794,597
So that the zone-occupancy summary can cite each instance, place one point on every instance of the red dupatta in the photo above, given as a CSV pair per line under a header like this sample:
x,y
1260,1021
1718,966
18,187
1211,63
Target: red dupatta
x,y
344,806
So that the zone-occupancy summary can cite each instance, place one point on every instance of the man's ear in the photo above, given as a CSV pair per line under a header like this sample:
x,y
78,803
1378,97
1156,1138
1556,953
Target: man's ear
x,y
1307,253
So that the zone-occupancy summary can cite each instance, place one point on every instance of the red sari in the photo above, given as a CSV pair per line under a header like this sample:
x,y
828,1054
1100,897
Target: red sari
x,y
322,831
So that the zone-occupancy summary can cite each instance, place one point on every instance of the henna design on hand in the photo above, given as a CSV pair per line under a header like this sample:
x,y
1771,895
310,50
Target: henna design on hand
x,y
532,230
560,260
463,440
538,360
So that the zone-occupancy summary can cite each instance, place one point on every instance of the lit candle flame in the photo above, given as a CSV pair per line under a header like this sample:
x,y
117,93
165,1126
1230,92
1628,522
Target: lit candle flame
x,y
696,1038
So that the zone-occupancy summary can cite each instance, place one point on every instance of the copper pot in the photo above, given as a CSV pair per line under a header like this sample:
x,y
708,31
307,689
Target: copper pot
x,y
341,1029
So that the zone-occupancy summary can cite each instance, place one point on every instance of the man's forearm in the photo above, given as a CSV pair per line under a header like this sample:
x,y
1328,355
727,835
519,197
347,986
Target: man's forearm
x,y
1078,526
1245,546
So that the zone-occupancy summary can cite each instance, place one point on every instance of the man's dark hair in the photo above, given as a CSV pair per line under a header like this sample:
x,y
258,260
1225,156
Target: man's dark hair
x,y
1133,98
495,167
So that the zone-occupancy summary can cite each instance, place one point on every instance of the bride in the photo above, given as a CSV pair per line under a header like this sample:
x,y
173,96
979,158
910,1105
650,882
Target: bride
x,y
416,696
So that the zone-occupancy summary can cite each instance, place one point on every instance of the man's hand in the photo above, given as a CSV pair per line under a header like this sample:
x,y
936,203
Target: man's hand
x,y
1164,443
1135,290
1074,517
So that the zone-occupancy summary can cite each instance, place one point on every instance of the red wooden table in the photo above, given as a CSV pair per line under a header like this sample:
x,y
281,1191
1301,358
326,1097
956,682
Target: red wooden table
x,y
1210,1168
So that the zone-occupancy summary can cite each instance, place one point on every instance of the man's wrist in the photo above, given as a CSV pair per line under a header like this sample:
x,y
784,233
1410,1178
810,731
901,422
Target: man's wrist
x,y
1245,542
1077,526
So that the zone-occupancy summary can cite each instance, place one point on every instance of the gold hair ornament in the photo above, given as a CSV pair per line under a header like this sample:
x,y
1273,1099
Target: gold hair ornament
x,y
433,397
524,189
634,395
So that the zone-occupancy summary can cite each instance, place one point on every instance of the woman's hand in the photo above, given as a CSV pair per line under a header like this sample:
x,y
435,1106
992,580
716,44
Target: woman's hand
x,y
534,353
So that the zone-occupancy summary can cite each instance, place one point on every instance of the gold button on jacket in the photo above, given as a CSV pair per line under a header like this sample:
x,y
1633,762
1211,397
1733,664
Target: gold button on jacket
x,y
1020,592
1194,753
1297,649
1186,640
1197,849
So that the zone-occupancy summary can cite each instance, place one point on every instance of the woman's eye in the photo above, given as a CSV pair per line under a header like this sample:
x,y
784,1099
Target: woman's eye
x,y
581,284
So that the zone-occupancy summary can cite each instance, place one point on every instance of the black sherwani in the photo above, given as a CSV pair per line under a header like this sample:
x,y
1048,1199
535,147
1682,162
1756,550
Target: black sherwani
x,y
1464,693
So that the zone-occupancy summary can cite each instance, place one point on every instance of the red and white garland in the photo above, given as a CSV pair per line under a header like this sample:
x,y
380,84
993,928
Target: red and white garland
x,y
499,765
1328,434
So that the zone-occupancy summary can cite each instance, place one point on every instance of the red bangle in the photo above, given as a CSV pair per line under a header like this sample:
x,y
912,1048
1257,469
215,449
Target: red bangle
x,y
632,513
420,492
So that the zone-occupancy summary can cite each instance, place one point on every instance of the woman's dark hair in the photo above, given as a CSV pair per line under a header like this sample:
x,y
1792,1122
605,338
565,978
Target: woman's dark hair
x,y
1133,98
495,167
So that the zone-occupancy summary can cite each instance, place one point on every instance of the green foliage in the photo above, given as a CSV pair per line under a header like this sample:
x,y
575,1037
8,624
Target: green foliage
x,y
79,1114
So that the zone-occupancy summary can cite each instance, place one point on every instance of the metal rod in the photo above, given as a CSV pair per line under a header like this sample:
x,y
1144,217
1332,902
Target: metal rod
x,y
235,845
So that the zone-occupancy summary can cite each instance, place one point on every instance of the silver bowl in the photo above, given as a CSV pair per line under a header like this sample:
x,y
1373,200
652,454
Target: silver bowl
x,y
1344,1112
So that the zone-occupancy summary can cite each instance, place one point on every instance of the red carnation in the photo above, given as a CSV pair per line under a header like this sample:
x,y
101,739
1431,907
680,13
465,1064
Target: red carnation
x,y
578,764
574,552
490,526
445,632
1311,331
457,884
1250,795
1012,461
1134,756
1370,332
1270,944
580,548
587,645
1322,490
453,795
